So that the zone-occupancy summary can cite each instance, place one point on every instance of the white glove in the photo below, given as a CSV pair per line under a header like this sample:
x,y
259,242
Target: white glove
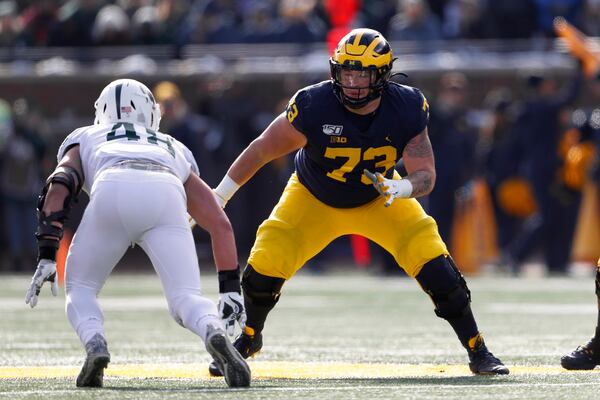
x,y
231,309
391,189
46,271
220,201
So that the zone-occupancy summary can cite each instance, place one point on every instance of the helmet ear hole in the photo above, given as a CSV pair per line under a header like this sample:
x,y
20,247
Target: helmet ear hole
x,y
104,109
132,104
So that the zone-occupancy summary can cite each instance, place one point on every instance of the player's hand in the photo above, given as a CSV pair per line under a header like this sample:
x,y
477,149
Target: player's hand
x,y
379,183
220,201
46,271
391,189
231,309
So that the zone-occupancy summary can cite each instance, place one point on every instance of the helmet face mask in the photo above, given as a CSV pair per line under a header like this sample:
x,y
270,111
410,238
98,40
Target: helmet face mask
x,y
361,54
127,100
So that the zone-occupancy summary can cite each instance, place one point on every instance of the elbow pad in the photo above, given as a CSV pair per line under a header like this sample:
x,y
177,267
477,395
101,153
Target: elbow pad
x,y
47,234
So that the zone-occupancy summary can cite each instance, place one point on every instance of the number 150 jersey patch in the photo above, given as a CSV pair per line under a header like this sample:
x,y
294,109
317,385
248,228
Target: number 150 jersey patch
x,y
341,144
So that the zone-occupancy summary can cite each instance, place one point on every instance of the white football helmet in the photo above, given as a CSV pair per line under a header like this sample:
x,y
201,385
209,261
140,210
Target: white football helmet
x,y
127,100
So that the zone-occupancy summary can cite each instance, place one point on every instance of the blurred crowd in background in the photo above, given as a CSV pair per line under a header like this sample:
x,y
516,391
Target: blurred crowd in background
x,y
517,161
181,22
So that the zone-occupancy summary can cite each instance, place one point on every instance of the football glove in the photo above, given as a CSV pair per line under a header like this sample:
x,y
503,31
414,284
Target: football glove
x,y
231,309
391,189
46,271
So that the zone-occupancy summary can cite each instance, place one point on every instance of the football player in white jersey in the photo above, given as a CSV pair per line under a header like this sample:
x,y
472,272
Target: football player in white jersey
x,y
141,184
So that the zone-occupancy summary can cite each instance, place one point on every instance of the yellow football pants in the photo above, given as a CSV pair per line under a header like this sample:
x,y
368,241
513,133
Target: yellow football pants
x,y
300,226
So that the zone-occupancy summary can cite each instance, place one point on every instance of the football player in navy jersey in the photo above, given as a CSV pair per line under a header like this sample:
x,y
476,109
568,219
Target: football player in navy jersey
x,y
349,132
586,356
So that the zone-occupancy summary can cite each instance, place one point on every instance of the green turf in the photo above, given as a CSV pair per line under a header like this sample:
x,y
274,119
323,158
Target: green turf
x,y
337,319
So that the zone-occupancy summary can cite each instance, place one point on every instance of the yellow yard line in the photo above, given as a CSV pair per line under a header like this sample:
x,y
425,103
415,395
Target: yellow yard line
x,y
275,369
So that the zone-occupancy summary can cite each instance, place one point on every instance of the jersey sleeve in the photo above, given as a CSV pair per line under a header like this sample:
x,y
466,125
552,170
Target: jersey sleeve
x,y
188,156
73,139
422,112
296,110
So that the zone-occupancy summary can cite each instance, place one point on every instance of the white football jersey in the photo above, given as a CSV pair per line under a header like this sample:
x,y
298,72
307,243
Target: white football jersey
x,y
102,146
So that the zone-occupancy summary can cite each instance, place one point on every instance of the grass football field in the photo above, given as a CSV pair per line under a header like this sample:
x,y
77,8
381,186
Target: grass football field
x,y
340,336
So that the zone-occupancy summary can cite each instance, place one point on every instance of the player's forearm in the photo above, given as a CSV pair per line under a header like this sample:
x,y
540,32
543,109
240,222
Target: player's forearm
x,y
253,158
55,200
243,168
222,240
422,182
224,250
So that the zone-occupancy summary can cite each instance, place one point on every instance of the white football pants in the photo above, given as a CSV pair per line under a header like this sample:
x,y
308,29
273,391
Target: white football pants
x,y
147,208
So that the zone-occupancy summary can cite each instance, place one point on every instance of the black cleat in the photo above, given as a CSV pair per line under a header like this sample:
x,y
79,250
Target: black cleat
x,y
584,357
483,362
226,358
92,372
247,345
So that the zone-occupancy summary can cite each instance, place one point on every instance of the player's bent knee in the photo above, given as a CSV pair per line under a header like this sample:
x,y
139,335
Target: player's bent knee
x,y
259,289
443,282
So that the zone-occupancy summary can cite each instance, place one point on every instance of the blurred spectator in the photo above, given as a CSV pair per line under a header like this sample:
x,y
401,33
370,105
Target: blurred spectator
x,y
131,6
145,26
547,10
75,19
463,20
260,25
38,20
376,14
453,140
299,22
498,154
539,131
414,22
591,18
577,148
10,24
198,133
214,21
111,27
171,14
20,184
510,19
340,14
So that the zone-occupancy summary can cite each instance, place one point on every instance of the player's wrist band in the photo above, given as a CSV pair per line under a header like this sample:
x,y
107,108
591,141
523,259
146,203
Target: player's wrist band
x,y
47,249
229,281
226,188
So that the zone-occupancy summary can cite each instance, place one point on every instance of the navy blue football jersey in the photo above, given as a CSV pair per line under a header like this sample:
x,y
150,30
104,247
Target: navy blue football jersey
x,y
341,144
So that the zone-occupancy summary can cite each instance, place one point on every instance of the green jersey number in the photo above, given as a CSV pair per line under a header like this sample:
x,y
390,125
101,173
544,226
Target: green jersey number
x,y
126,130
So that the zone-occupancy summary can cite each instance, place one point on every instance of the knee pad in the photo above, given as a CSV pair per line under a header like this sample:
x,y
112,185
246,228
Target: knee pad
x,y
445,285
259,289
